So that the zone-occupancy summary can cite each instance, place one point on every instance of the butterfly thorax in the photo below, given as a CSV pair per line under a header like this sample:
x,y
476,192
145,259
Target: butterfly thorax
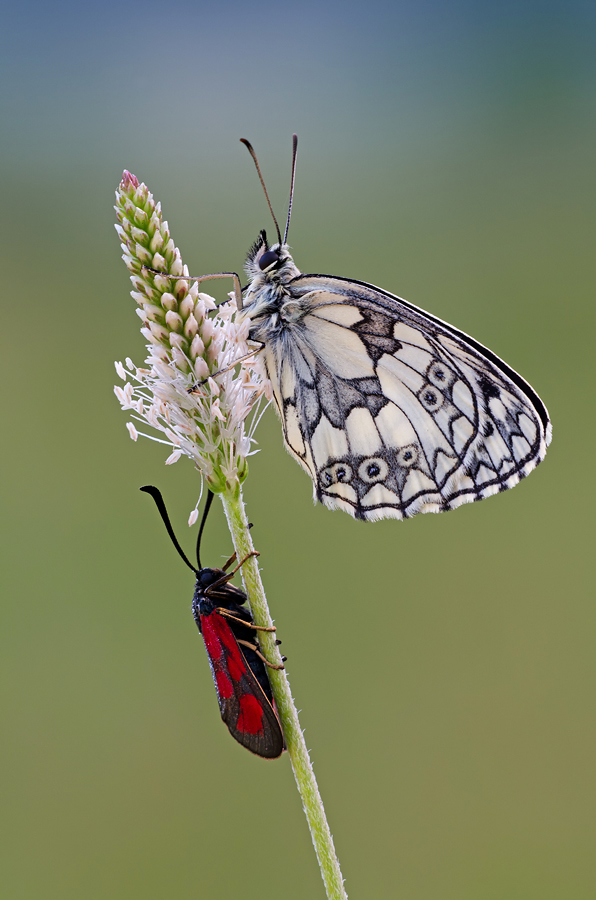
x,y
268,299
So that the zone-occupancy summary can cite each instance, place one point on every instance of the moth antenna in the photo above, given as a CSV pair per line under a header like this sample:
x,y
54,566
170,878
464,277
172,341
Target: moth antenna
x,y
249,146
294,151
156,494
208,503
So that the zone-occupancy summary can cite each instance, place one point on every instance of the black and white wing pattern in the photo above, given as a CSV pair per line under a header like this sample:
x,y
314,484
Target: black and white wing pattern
x,y
391,411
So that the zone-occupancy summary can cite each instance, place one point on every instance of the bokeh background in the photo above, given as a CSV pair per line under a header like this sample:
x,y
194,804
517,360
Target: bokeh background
x,y
444,666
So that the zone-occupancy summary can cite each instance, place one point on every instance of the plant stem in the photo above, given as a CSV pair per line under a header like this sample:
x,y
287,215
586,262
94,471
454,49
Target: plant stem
x,y
288,714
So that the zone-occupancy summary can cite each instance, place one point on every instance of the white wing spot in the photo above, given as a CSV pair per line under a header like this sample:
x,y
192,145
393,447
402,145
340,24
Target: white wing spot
x,y
444,465
345,491
328,443
340,313
409,335
345,355
288,379
416,482
520,446
417,359
528,426
462,397
363,436
379,494
293,434
393,375
462,432
497,408
485,474
394,426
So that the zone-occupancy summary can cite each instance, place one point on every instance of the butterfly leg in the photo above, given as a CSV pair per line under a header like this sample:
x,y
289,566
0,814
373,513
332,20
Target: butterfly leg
x,y
203,381
199,278
255,647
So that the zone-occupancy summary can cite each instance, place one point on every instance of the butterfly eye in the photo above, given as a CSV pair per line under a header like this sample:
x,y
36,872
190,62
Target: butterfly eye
x,y
267,259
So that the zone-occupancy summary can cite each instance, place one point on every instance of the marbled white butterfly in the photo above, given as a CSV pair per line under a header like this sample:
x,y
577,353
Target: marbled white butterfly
x,y
390,410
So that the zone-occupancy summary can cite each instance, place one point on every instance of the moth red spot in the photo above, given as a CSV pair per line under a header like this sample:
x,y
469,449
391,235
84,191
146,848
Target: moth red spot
x,y
250,719
236,666
226,635
225,688
211,638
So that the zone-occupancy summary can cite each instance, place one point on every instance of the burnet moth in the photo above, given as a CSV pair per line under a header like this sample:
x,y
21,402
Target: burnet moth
x,y
238,667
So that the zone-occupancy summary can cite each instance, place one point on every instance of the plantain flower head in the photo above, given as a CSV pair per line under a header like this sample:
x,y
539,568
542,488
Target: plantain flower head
x,y
190,389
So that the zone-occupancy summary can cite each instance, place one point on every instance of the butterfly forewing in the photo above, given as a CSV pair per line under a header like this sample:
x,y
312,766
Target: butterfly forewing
x,y
390,410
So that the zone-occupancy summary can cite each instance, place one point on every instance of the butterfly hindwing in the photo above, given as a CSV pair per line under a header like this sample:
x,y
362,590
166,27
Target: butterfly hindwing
x,y
390,410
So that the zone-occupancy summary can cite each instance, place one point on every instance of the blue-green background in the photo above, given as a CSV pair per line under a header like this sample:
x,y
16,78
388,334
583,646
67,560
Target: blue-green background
x,y
444,667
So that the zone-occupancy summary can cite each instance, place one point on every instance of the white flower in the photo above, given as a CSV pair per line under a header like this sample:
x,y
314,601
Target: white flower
x,y
190,341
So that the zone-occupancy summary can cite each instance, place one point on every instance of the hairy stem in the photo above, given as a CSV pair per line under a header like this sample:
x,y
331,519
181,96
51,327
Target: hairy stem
x,y
301,764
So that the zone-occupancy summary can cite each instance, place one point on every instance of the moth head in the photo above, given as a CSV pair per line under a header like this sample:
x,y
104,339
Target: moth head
x,y
206,577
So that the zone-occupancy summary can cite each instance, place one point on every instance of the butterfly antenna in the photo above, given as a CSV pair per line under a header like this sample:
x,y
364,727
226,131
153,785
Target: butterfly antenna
x,y
250,149
149,489
208,503
294,151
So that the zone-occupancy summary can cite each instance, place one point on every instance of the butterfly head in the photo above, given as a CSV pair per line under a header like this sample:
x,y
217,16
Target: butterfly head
x,y
269,265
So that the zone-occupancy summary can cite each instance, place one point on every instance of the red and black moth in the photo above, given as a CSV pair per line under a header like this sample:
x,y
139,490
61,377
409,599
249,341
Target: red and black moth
x,y
238,667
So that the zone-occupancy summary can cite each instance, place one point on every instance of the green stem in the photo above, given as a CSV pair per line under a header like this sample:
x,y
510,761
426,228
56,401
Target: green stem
x,y
301,764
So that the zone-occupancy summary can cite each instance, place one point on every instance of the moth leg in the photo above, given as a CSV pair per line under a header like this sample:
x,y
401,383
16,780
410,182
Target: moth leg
x,y
230,561
231,574
241,563
198,278
229,615
255,647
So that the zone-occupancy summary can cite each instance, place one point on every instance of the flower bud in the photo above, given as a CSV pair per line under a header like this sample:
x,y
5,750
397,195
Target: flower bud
x,y
156,242
143,255
141,217
177,340
158,332
139,235
168,301
174,321
191,327
187,306
201,368
197,348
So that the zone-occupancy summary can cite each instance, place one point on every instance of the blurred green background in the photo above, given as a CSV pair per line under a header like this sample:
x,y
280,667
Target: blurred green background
x,y
444,666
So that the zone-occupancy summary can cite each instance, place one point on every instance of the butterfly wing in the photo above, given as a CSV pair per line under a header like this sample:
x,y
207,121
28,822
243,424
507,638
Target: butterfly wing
x,y
392,411
242,702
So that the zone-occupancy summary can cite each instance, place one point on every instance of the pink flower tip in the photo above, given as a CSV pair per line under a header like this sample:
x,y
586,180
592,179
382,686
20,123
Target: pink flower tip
x,y
128,180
